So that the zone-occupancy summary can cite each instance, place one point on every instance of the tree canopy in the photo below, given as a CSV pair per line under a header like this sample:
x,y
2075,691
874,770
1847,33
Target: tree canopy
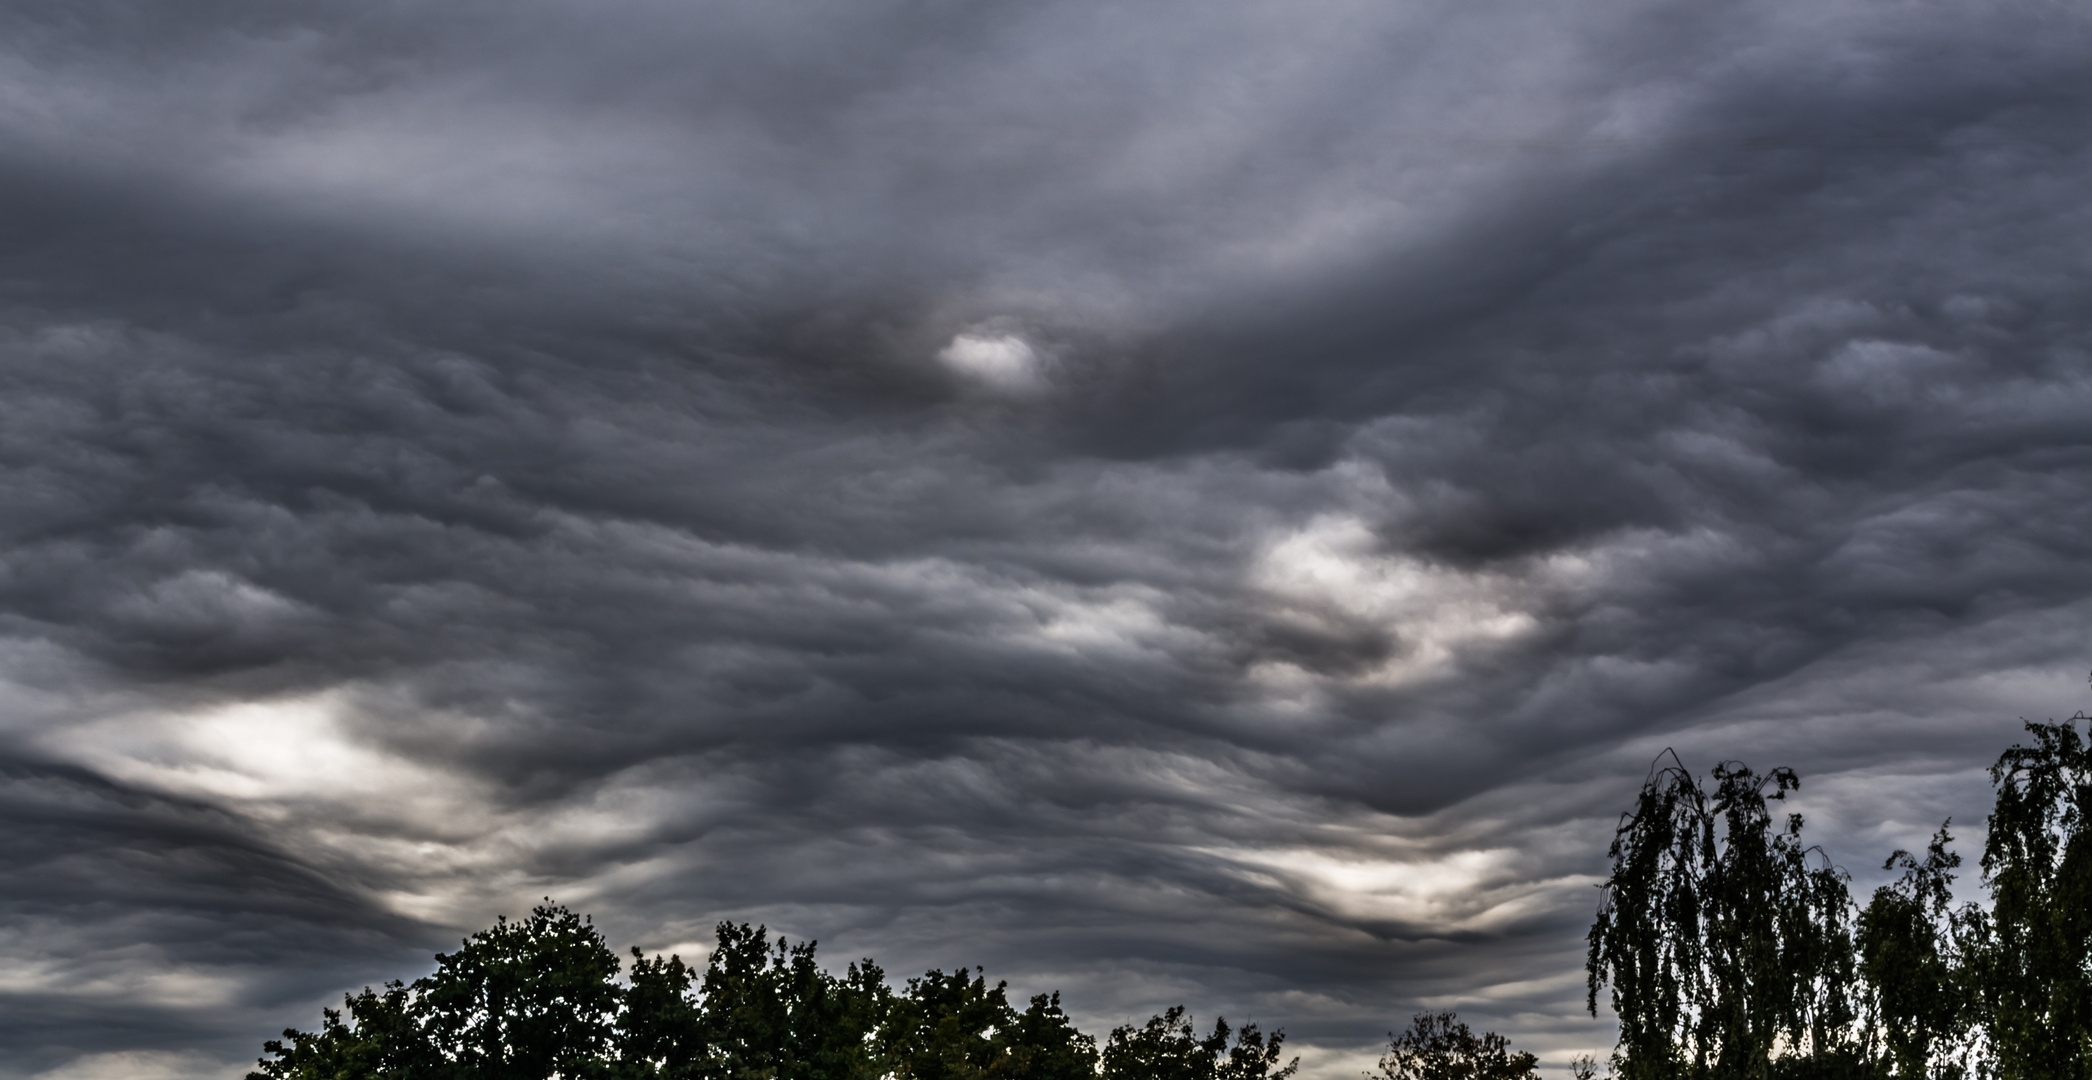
x,y
1728,947
1731,949
1438,1046
541,998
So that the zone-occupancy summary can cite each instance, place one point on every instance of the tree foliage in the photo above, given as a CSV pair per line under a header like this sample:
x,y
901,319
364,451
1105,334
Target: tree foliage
x,y
2030,952
529,998
1168,1047
956,1027
1731,949
1725,940
1439,1046
379,1038
770,1012
1909,945
541,998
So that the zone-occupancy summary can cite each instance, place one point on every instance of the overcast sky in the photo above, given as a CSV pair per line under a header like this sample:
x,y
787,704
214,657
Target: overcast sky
x,y
1203,502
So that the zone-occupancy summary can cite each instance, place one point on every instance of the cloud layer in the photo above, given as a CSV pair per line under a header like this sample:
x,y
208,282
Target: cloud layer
x,y
1210,502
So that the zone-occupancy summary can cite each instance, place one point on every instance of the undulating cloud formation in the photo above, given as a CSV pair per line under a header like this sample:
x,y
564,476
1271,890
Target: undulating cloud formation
x,y
1211,502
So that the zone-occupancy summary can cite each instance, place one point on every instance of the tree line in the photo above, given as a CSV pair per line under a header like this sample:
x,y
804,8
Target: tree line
x,y
1728,947
541,998
1733,949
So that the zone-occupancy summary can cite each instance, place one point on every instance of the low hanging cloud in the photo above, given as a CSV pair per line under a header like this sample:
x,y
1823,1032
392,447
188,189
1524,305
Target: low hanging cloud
x,y
1214,503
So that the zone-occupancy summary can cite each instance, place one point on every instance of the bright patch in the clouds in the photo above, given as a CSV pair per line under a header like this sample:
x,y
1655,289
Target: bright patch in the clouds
x,y
293,750
1003,361
1332,574
1461,890
137,1065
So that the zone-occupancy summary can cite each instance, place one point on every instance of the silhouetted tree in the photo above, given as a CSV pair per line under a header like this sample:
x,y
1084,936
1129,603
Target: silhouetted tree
x,y
661,1032
379,1039
1045,1045
1440,1046
771,1013
1909,943
519,1001
2029,953
1731,953
952,1027
524,1000
944,1027
1726,945
1167,1047
540,998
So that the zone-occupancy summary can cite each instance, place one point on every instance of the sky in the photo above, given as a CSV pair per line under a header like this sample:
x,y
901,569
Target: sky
x,y
1213,502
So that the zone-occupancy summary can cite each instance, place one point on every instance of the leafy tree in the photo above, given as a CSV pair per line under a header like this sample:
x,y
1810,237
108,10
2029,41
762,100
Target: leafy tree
x,y
661,1032
2030,951
771,1013
1167,1047
1909,955
1726,941
945,1026
950,1027
1045,1045
519,1001
1440,1046
523,1000
381,1038
540,998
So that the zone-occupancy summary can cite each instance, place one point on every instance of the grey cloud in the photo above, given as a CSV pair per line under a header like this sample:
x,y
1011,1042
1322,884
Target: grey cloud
x,y
454,457
137,920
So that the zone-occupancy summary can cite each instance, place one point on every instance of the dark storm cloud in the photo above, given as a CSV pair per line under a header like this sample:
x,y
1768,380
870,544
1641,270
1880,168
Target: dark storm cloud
x,y
1217,504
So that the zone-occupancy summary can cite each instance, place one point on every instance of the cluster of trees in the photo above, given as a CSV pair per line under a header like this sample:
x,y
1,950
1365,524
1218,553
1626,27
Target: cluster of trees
x,y
541,998
1438,1046
1734,950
